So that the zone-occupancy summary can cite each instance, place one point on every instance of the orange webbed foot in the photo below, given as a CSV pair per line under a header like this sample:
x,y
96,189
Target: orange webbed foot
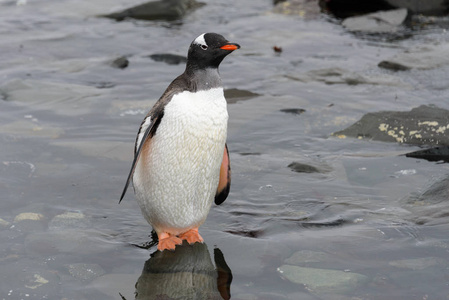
x,y
168,241
192,236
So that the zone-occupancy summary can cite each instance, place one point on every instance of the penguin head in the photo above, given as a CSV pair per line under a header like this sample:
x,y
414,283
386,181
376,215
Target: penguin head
x,y
208,51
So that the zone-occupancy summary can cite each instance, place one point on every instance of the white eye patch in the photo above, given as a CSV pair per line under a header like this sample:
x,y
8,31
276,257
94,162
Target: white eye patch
x,y
200,40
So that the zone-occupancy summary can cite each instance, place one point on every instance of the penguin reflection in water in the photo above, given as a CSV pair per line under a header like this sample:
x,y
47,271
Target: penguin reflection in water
x,y
181,161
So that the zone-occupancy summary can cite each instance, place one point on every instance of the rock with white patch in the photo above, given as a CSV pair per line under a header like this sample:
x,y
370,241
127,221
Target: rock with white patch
x,y
423,125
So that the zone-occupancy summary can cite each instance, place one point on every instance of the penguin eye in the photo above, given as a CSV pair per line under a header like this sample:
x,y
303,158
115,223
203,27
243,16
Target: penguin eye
x,y
204,47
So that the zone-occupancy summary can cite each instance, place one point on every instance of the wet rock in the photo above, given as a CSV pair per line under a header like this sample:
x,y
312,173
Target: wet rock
x,y
303,168
304,257
85,272
120,62
293,111
4,223
347,8
424,125
304,8
157,10
322,280
422,58
69,220
432,154
416,263
234,95
171,59
29,217
378,22
428,7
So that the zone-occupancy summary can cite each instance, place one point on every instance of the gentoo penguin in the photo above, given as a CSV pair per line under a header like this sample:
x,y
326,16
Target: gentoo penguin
x,y
181,161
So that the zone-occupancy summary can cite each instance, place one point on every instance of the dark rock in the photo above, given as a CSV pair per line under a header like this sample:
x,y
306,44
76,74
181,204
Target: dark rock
x,y
394,66
428,7
120,62
303,168
171,59
381,21
294,111
424,125
234,95
422,58
157,10
432,154
347,8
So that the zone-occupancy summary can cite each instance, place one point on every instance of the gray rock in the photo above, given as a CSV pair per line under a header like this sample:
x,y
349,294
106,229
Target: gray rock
x,y
171,59
322,280
85,272
157,10
428,7
422,58
424,125
378,22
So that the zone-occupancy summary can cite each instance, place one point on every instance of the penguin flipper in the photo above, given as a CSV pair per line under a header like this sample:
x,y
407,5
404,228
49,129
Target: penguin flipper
x,y
224,183
149,132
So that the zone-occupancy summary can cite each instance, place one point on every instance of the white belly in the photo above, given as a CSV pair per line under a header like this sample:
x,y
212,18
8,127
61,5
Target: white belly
x,y
176,181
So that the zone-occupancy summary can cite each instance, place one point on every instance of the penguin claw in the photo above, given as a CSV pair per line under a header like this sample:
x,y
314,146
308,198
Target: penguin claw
x,y
168,242
192,236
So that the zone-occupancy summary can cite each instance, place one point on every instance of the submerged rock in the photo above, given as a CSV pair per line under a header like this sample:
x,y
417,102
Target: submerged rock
x,y
304,8
322,280
234,95
422,58
303,168
85,271
69,220
304,257
416,263
342,76
430,207
293,111
381,21
424,125
157,10
171,59
120,62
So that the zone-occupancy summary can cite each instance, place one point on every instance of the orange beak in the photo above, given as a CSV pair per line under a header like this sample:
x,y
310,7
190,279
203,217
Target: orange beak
x,y
230,47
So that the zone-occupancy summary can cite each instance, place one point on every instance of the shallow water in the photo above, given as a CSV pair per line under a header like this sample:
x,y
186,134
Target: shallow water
x,y
68,122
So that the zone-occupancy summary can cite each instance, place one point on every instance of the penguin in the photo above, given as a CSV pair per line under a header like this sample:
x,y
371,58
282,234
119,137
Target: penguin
x,y
181,160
